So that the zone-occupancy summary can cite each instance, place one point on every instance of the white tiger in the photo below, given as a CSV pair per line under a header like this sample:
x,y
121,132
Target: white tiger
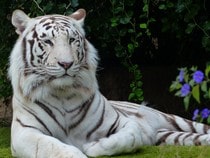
x,y
58,111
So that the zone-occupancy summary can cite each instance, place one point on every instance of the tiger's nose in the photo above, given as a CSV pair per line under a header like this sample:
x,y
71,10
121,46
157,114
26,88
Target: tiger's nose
x,y
65,65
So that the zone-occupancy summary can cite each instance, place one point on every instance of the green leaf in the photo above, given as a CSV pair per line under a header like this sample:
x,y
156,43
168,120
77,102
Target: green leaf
x,y
190,28
74,3
130,48
180,7
207,70
209,93
186,77
193,68
196,93
178,94
206,43
143,25
151,20
118,10
38,1
204,86
131,30
145,8
125,20
139,84
114,21
162,7
208,120
114,24
192,83
170,4
186,102
207,25
174,86
139,93
131,96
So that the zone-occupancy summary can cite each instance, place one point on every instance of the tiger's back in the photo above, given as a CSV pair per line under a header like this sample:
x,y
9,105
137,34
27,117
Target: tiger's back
x,y
58,110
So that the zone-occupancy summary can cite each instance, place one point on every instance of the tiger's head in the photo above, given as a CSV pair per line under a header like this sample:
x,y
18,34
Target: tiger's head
x,y
51,54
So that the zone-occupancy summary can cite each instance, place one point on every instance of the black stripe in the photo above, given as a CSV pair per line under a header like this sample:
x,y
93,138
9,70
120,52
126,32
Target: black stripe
x,y
43,35
164,137
84,108
46,24
24,54
51,114
41,47
114,126
28,126
185,137
100,122
43,20
124,113
171,119
75,109
205,129
35,35
56,108
196,140
40,121
190,123
176,140
53,34
48,27
31,42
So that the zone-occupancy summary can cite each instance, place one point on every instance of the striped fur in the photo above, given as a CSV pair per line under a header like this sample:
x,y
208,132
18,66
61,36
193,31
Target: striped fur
x,y
58,110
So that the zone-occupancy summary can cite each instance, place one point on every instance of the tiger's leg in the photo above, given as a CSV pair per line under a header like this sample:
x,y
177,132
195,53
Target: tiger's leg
x,y
168,137
127,139
28,142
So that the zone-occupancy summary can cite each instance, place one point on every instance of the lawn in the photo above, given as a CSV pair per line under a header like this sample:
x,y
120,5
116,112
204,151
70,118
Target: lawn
x,y
144,152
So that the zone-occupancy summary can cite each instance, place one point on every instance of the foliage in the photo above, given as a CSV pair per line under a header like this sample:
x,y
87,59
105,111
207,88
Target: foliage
x,y
194,84
186,19
5,47
123,25
117,33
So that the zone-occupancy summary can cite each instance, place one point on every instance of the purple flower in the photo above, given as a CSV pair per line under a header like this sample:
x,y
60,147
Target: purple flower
x,y
181,75
185,90
205,113
198,76
195,114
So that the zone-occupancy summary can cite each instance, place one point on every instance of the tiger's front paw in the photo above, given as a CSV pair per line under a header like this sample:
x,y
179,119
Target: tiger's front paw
x,y
97,148
70,152
92,149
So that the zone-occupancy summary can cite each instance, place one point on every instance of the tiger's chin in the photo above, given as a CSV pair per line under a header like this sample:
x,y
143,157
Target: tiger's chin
x,y
63,81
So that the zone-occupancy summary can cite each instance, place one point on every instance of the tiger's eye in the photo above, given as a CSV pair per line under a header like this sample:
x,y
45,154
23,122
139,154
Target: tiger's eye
x,y
48,42
71,40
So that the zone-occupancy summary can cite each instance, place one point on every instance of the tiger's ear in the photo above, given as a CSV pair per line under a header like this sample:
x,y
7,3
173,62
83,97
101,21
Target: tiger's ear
x,y
79,15
19,20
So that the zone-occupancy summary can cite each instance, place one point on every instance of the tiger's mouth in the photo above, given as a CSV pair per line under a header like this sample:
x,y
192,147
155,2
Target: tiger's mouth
x,y
64,76
67,75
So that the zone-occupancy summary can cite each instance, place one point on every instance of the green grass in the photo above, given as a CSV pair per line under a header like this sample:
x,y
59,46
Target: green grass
x,y
5,143
144,152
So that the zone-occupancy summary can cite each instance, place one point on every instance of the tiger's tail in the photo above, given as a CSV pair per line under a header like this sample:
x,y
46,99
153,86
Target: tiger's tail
x,y
184,132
